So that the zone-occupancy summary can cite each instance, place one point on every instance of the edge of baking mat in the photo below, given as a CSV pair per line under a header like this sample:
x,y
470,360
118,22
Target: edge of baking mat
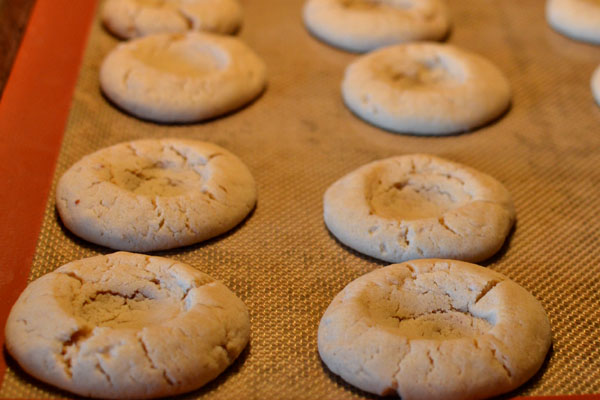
x,y
33,113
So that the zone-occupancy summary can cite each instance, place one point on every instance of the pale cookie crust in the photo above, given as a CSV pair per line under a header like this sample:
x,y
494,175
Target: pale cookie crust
x,y
129,19
419,206
151,195
127,326
364,25
434,329
425,88
595,84
182,77
577,19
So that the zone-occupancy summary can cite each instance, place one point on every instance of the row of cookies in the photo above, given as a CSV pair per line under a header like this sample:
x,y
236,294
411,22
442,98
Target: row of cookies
x,y
174,78
579,20
159,79
180,64
154,194
416,87
187,167
409,328
364,26
129,325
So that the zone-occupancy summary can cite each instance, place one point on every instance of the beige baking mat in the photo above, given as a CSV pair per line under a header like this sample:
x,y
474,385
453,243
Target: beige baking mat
x,y
298,138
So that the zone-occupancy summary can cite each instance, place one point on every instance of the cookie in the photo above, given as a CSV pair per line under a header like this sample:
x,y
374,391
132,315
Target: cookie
x,y
425,88
595,84
577,19
152,194
129,19
434,329
419,206
126,326
364,25
182,77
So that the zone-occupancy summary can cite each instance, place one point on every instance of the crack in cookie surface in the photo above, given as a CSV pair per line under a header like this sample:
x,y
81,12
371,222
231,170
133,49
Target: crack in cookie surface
x,y
415,196
434,329
426,306
127,326
111,309
169,172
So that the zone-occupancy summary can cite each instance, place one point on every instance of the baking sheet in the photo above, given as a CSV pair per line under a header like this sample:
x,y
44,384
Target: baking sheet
x,y
298,138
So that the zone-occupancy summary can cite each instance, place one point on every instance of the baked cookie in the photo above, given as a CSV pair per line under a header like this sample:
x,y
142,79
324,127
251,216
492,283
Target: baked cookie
x,y
151,195
434,329
129,19
126,326
595,83
425,88
577,19
419,206
182,77
364,25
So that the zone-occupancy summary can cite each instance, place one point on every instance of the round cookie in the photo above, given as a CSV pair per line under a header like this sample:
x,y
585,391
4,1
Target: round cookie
x,y
151,195
182,77
364,25
425,88
595,84
434,329
419,206
126,326
577,19
129,19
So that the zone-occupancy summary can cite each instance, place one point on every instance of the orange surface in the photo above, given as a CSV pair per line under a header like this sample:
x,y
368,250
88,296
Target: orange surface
x,y
33,113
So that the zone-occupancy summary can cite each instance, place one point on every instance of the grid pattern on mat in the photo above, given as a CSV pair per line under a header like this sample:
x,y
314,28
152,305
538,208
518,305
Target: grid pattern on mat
x,y
298,138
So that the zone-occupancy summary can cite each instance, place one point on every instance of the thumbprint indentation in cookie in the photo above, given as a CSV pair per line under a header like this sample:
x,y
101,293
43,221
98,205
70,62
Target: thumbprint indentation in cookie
x,y
119,311
423,308
364,5
444,324
361,5
172,174
417,197
434,329
427,71
429,306
182,57
157,179
153,3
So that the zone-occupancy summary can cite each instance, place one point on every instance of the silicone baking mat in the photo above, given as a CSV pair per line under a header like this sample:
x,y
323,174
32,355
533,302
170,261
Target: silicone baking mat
x,y
298,138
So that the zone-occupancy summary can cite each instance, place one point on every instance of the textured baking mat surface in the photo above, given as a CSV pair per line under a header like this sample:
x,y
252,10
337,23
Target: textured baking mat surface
x,y
298,138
